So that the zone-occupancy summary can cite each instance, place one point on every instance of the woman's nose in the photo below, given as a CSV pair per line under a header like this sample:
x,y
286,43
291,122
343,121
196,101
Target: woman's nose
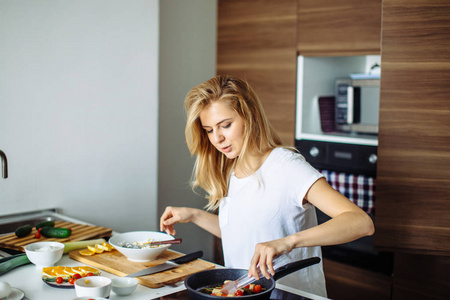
x,y
218,137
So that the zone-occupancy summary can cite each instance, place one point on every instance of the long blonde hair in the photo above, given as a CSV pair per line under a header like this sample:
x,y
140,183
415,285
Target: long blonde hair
x,y
212,168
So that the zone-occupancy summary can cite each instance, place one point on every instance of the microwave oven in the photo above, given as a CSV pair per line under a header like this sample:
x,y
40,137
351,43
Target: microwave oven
x,y
357,105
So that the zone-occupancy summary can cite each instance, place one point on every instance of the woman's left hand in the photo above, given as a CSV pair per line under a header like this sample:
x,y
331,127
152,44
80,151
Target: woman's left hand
x,y
265,253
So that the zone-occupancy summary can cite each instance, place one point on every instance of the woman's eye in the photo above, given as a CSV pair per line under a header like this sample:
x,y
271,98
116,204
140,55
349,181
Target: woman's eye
x,y
209,131
227,126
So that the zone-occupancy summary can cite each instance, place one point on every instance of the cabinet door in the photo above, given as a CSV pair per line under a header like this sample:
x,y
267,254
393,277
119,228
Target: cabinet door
x,y
413,176
257,42
421,277
339,27
350,283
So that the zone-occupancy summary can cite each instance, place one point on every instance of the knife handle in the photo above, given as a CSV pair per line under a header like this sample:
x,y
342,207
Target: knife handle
x,y
175,241
188,257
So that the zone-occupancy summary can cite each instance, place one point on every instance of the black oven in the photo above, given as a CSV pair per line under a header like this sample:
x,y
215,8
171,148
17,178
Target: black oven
x,y
348,158
355,165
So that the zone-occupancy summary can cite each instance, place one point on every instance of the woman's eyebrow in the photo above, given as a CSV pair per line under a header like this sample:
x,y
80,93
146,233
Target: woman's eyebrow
x,y
225,120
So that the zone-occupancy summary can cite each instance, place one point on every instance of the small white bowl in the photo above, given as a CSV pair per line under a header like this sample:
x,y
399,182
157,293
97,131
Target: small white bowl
x,y
140,236
93,286
124,286
44,254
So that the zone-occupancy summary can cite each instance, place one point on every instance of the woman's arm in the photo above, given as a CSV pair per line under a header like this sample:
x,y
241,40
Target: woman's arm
x,y
203,219
348,223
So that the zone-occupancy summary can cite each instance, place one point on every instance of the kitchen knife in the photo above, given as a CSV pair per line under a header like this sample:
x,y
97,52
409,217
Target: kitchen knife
x,y
170,264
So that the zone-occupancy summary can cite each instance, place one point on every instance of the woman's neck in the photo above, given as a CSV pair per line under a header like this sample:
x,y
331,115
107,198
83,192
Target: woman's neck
x,y
253,163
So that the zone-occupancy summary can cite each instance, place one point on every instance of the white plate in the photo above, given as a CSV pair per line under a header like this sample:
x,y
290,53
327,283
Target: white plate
x,y
16,294
64,285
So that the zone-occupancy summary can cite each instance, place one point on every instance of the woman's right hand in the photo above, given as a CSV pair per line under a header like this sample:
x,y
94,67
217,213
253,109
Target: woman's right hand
x,y
203,219
174,215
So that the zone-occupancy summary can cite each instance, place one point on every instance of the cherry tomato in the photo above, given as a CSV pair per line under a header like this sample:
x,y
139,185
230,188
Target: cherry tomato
x,y
239,293
59,280
257,288
71,280
247,286
76,276
89,274
37,235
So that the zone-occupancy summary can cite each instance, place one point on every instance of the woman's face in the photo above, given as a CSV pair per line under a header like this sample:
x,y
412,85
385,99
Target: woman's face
x,y
224,127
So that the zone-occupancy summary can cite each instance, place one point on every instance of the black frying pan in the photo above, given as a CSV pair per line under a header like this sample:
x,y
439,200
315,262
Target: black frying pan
x,y
216,277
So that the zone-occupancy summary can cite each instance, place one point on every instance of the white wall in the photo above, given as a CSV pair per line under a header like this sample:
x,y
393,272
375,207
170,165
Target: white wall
x,y
187,58
79,105
78,109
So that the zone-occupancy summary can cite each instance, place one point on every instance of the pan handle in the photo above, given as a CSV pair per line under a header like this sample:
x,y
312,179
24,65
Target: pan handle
x,y
295,266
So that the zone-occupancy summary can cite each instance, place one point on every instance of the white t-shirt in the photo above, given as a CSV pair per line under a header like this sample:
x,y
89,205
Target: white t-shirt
x,y
269,206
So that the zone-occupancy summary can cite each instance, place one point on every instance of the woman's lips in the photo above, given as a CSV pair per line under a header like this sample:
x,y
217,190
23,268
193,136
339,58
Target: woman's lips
x,y
226,149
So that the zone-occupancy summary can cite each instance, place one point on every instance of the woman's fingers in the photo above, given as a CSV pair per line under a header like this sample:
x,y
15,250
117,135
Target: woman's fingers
x,y
261,263
253,270
172,216
264,255
168,219
270,269
265,263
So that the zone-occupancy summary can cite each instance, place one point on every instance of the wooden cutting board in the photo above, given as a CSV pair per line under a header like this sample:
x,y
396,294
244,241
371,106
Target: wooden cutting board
x,y
80,232
116,263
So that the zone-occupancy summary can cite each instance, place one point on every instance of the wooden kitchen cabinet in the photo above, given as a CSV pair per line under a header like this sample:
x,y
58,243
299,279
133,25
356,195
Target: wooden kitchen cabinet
x,y
339,27
256,40
413,182
350,283
413,176
421,277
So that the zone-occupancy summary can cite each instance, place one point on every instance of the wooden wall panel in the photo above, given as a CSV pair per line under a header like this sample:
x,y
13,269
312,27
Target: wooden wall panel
x,y
339,27
345,282
257,42
421,277
413,175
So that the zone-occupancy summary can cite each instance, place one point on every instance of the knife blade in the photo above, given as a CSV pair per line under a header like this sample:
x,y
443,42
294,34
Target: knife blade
x,y
170,264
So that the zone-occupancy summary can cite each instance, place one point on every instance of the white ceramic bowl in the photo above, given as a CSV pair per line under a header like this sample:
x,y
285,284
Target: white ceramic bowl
x,y
140,236
93,286
44,254
124,286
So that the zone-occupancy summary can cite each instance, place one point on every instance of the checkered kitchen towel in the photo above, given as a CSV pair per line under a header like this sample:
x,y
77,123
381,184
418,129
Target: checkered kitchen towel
x,y
358,188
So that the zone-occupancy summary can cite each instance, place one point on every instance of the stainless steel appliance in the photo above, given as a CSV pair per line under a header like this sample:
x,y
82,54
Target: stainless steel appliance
x,y
357,104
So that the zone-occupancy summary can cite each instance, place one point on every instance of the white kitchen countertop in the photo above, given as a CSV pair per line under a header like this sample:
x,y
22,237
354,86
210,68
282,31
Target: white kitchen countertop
x,y
28,278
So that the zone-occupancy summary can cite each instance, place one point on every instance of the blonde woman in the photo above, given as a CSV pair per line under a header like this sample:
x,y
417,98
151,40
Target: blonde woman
x,y
266,193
